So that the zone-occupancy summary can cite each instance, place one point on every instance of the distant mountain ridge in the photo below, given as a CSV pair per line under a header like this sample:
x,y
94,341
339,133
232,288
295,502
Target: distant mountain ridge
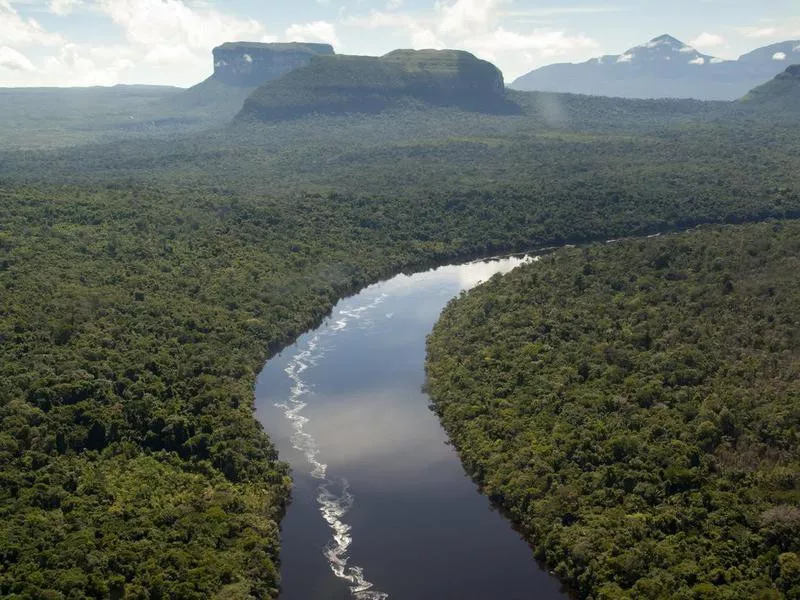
x,y
664,67
285,81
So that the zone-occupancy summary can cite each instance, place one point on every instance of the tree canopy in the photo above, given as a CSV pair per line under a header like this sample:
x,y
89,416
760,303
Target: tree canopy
x,y
633,407
144,281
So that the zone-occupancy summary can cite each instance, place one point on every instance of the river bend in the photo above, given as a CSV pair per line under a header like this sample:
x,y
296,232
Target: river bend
x,y
381,505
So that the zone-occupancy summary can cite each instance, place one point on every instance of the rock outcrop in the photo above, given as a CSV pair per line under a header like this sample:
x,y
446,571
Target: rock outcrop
x,y
249,64
340,84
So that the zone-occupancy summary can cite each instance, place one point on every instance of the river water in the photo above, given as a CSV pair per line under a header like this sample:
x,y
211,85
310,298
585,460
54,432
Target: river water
x,y
381,505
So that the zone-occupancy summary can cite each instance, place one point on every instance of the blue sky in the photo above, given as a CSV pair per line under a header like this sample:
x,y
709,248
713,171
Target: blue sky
x,y
104,42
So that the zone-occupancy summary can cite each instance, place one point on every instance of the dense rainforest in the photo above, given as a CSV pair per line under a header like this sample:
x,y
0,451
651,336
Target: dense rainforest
x,y
144,280
633,407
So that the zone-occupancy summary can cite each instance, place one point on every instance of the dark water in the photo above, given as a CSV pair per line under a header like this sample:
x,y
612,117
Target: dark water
x,y
381,506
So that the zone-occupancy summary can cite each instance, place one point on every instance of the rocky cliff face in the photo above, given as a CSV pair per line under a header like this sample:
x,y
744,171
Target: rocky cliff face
x,y
248,64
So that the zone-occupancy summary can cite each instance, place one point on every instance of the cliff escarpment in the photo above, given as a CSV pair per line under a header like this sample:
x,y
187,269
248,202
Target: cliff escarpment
x,y
250,64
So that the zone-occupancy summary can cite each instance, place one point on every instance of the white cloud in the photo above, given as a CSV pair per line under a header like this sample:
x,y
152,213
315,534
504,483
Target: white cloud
x,y
85,65
63,7
467,17
316,31
175,23
168,41
170,55
19,31
698,61
420,31
779,56
758,32
378,19
545,42
422,39
708,40
476,26
558,11
13,60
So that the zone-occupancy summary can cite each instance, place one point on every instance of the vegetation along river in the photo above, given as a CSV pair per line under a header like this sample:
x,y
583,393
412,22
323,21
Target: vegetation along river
x,y
381,505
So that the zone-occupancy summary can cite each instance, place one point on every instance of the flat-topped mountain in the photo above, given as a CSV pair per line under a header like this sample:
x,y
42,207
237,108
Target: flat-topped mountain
x,y
782,92
365,84
239,68
664,67
250,64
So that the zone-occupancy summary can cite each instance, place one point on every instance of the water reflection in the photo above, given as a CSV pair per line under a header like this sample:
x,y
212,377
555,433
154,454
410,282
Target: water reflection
x,y
345,408
384,435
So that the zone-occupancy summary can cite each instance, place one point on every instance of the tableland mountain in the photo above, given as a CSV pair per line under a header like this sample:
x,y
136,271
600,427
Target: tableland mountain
x,y
366,84
664,67
241,67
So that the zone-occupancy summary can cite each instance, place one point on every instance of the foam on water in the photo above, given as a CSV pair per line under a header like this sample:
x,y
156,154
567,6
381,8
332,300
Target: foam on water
x,y
333,495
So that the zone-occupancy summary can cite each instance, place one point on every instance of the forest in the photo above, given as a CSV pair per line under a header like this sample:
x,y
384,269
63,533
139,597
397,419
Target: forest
x,y
145,280
632,407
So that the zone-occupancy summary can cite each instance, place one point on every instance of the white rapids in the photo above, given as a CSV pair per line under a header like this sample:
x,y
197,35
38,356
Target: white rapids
x,y
334,496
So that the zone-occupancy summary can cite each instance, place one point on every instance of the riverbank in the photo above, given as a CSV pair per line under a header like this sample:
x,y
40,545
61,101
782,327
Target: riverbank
x,y
613,397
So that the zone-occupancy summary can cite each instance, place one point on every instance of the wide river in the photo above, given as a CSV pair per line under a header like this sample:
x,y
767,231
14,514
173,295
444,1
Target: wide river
x,y
381,506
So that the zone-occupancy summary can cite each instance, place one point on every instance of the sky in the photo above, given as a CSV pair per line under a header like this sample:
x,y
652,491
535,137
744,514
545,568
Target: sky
x,y
106,42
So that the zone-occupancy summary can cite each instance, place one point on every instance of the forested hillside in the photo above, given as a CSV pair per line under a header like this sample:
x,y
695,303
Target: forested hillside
x,y
143,283
335,85
634,408
780,94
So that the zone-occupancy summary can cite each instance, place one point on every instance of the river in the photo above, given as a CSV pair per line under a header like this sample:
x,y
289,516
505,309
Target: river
x,y
381,505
